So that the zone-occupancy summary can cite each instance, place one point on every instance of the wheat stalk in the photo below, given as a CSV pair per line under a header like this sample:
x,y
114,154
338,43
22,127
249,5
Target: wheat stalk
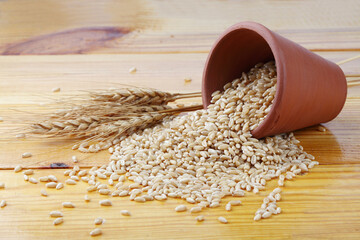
x,y
107,135
106,117
83,118
140,96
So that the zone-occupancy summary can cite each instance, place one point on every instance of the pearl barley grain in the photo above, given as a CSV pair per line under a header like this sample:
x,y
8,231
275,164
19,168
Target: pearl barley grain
x,y
18,168
228,207
181,208
132,70
223,220
43,193
125,213
68,205
70,182
44,179
87,198
52,178
105,202
26,155
33,180
58,221
55,214
200,218
29,172
51,185
2,203
98,221
235,203
59,186
195,210
96,232
266,215
257,217
57,89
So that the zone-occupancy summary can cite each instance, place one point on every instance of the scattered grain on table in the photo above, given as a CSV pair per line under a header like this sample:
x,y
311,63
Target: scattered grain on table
x,y
43,193
125,213
105,202
132,70
26,155
56,89
68,205
56,214
18,168
96,232
98,221
58,221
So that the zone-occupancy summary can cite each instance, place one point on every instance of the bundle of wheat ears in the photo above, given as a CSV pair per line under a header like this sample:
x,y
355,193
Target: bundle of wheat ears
x,y
107,116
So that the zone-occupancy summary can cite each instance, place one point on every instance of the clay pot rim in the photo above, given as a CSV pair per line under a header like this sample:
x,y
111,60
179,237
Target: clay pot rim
x,y
267,35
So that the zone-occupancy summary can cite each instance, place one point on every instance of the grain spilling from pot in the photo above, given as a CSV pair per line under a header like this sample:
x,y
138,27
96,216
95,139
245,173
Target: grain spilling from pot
x,y
209,154
201,157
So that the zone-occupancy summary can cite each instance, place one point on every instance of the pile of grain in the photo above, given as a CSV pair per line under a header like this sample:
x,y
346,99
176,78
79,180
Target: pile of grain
x,y
200,157
209,154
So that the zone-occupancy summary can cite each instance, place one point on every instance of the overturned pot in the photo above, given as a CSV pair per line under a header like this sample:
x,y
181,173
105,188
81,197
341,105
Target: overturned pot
x,y
310,89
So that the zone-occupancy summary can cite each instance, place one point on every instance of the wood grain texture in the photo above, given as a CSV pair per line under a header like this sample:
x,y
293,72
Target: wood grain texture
x,y
174,26
94,43
323,204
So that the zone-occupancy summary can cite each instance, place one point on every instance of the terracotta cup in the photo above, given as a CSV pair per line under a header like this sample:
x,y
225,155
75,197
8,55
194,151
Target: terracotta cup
x,y
310,89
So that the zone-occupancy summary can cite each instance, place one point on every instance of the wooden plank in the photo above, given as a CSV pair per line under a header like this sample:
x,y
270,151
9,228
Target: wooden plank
x,y
167,26
322,204
29,80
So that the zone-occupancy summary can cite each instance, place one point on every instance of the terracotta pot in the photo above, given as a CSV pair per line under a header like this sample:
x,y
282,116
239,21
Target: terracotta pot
x,y
310,89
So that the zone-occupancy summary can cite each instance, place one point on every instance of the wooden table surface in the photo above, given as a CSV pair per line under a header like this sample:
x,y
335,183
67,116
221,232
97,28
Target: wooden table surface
x,y
82,45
